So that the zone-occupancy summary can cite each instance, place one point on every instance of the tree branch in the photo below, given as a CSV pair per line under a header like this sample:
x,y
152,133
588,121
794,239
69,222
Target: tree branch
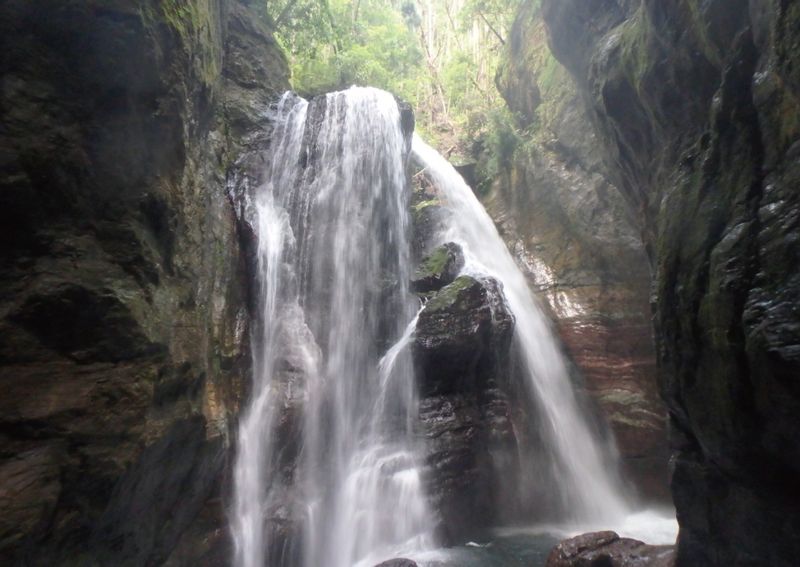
x,y
491,27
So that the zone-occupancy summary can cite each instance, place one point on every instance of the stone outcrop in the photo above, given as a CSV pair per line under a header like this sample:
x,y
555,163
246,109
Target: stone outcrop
x,y
607,549
438,269
462,351
697,108
123,306
562,216
398,563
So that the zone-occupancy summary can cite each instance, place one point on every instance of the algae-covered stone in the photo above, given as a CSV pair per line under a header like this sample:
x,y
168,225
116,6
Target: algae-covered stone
x,y
438,269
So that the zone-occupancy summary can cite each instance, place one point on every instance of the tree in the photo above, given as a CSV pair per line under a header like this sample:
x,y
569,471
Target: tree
x,y
333,44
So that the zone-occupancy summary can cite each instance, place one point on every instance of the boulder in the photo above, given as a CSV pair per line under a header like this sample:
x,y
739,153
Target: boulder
x,y
438,269
461,351
455,333
400,562
607,549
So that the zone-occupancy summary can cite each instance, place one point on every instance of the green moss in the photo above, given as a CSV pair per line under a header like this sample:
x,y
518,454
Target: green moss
x,y
701,34
196,23
425,204
448,296
435,263
557,90
634,52
547,76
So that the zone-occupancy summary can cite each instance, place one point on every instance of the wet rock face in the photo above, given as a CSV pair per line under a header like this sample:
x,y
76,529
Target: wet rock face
x,y
462,353
438,269
607,549
561,214
696,107
456,332
123,304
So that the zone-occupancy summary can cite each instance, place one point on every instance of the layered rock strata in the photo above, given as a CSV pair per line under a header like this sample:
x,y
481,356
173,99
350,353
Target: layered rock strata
x,y
562,215
469,401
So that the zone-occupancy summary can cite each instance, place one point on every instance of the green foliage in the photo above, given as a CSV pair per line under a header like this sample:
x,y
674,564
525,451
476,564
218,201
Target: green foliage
x,y
440,55
498,15
338,43
497,146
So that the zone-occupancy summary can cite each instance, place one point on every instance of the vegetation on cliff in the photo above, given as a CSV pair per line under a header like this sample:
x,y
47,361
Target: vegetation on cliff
x,y
442,57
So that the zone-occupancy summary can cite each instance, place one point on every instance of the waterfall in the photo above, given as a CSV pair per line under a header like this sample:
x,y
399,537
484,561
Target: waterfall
x,y
331,375
587,484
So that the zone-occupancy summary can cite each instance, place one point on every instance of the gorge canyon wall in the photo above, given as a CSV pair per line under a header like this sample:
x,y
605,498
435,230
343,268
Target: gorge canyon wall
x,y
560,212
123,318
696,107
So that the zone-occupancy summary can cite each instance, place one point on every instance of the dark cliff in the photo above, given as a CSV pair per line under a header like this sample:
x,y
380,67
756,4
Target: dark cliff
x,y
122,299
560,212
696,106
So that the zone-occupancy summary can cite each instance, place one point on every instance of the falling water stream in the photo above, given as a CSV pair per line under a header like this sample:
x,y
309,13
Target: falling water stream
x,y
332,224
332,377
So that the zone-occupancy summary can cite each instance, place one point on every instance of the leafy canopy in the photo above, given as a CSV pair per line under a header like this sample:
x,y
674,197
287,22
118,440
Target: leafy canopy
x,y
439,55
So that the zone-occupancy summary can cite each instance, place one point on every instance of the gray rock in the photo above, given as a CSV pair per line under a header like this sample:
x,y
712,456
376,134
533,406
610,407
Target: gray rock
x,y
607,549
438,269
123,296
398,563
462,353
696,112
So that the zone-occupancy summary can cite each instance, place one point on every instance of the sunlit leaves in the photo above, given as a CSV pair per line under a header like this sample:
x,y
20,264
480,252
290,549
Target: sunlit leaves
x,y
333,44
440,55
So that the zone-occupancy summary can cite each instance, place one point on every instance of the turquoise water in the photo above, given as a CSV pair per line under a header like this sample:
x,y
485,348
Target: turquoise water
x,y
524,550
530,546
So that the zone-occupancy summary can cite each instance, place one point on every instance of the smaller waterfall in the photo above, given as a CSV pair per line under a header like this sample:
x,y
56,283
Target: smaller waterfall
x,y
587,484
278,314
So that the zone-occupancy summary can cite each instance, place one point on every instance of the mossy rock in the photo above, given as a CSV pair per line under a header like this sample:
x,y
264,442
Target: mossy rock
x,y
457,296
438,269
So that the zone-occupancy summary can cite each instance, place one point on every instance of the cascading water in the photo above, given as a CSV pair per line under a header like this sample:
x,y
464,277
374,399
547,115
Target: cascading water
x,y
333,266
589,489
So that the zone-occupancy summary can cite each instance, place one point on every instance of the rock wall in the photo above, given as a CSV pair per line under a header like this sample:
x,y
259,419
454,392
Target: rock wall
x,y
697,107
564,218
123,328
